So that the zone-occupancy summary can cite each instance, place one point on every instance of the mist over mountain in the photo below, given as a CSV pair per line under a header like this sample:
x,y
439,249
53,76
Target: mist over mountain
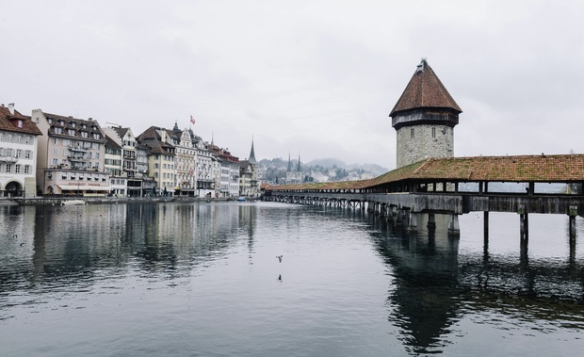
x,y
278,170
330,162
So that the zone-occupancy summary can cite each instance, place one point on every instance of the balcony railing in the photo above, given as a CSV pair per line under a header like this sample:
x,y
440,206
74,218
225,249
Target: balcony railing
x,y
77,148
6,158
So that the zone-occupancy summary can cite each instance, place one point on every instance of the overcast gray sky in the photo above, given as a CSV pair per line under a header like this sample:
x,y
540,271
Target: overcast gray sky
x,y
315,78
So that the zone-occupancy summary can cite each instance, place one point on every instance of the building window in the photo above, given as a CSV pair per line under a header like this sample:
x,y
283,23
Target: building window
x,y
27,139
18,153
8,168
17,169
27,154
27,169
71,132
55,162
9,152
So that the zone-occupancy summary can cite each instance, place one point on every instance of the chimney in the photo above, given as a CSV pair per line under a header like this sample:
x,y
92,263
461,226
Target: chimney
x,y
11,108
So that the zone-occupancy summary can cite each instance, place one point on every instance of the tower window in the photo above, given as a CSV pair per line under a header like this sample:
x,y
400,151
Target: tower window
x,y
433,132
412,133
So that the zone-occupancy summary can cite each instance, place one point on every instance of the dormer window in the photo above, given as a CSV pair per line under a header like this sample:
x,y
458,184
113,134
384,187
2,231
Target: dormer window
x,y
61,122
72,124
84,134
71,132
19,124
50,121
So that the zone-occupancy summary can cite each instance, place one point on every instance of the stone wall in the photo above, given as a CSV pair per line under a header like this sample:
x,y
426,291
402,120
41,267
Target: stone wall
x,y
423,144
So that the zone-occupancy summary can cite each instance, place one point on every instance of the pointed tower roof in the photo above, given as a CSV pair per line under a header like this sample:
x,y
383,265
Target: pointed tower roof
x,y
252,158
298,167
424,90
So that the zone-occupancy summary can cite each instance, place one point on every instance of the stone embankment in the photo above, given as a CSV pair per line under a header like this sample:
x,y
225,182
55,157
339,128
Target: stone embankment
x,y
96,200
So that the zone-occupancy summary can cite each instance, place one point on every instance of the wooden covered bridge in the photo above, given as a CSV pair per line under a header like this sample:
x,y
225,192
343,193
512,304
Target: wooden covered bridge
x,y
548,184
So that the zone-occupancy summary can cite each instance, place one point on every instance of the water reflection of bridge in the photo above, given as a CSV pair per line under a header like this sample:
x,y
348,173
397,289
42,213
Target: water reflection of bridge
x,y
434,286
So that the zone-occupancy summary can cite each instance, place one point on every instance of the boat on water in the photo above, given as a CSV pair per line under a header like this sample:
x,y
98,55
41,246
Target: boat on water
x,y
241,199
72,202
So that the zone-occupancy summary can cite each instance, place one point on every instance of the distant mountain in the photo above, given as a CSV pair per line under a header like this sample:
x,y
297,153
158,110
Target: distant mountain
x,y
330,162
327,163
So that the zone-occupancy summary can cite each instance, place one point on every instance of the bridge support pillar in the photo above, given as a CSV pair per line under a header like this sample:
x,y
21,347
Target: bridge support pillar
x,y
413,221
404,217
486,225
397,217
431,221
453,225
524,226
572,226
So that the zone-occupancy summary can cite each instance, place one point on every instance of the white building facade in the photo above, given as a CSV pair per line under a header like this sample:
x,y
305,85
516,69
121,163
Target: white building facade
x,y
18,153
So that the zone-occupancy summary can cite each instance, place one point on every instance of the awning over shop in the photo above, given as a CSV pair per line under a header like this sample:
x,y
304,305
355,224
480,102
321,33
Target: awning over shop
x,y
84,188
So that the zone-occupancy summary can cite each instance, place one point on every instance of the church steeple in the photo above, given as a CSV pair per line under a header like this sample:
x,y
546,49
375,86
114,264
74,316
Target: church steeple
x,y
289,163
252,158
298,167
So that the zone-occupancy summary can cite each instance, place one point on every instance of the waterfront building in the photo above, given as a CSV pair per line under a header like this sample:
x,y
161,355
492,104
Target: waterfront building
x,y
424,118
18,153
227,172
148,183
113,166
125,138
205,168
248,173
71,155
161,158
186,155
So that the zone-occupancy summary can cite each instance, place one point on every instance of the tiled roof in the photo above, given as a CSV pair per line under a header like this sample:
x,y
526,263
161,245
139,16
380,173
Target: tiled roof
x,y
152,139
340,185
8,122
120,131
537,168
78,125
425,90
111,143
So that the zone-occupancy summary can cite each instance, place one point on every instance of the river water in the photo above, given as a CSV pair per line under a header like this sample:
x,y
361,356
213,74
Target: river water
x,y
203,279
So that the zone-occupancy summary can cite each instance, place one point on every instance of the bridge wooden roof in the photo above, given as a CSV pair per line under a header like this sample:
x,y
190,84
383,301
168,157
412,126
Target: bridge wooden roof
x,y
534,168
340,185
527,168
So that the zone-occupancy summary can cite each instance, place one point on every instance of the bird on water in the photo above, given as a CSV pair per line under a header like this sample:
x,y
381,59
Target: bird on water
x,y
279,257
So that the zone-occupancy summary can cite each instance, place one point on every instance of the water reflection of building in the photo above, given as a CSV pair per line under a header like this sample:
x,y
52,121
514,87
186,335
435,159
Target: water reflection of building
x,y
424,268
69,245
